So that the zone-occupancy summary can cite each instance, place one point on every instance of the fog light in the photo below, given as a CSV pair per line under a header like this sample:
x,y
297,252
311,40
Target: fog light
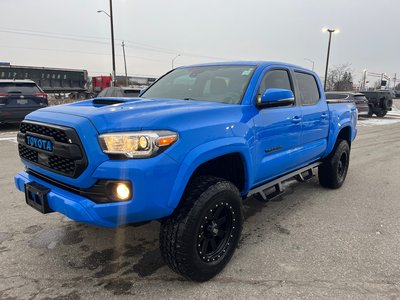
x,y
122,191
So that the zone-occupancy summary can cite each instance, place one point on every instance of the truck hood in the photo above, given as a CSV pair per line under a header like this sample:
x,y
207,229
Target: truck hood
x,y
117,114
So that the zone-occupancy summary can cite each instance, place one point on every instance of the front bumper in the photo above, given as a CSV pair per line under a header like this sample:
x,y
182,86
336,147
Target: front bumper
x,y
152,182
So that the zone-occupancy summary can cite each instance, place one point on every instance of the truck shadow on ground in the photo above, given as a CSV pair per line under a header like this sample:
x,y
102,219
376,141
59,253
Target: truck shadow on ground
x,y
115,258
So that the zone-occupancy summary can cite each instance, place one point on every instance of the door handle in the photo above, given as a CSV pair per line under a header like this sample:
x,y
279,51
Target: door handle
x,y
324,116
296,119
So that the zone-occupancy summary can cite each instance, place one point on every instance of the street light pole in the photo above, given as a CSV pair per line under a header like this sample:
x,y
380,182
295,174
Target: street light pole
x,y
112,43
126,72
172,62
327,56
110,15
311,61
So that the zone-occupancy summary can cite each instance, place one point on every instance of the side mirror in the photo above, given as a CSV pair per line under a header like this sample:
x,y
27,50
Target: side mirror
x,y
276,98
142,91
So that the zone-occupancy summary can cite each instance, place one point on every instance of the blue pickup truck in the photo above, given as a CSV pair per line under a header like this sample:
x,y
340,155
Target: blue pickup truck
x,y
186,153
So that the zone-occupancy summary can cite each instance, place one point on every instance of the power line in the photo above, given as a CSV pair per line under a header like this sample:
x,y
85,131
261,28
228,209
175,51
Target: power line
x,y
95,40
84,52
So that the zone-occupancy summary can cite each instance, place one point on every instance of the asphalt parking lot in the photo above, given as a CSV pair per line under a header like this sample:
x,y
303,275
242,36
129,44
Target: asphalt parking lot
x,y
311,243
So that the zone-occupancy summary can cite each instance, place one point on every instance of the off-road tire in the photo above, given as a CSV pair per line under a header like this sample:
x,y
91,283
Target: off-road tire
x,y
381,113
387,104
184,234
370,111
332,172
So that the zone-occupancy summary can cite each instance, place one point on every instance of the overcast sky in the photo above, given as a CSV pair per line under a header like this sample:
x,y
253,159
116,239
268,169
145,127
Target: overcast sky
x,y
71,34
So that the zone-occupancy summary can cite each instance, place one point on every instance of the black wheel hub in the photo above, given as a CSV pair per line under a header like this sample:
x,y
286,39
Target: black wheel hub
x,y
342,164
218,228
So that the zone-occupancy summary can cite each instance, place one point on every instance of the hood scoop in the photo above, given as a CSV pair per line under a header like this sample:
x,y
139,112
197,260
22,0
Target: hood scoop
x,y
106,101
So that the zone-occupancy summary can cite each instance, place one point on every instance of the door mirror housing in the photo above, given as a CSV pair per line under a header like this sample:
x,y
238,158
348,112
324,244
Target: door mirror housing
x,y
142,91
275,98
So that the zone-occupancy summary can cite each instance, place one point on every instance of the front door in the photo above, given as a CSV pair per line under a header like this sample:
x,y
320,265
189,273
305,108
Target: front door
x,y
277,130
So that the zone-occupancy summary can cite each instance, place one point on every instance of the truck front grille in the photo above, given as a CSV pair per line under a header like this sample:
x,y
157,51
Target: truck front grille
x,y
27,153
58,134
67,158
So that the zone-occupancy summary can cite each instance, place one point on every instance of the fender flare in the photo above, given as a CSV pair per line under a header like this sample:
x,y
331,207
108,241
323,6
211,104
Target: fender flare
x,y
204,153
334,133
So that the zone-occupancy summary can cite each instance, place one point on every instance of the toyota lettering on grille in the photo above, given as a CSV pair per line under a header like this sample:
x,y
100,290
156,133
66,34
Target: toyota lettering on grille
x,y
39,143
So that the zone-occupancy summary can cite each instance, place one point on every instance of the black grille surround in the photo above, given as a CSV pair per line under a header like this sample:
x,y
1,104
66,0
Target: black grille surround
x,y
68,157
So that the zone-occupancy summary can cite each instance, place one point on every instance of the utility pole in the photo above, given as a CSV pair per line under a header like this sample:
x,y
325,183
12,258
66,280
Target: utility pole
x,y
364,79
112,44
126,72
394,81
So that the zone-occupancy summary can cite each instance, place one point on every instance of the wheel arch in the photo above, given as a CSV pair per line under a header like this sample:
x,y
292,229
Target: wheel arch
x,y
210,156
344,132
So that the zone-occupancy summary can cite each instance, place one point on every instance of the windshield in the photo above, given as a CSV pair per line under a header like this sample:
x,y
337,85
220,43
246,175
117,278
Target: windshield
x,y
224,84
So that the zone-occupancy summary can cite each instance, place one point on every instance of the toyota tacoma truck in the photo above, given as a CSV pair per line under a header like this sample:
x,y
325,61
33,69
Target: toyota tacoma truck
x,y
186,153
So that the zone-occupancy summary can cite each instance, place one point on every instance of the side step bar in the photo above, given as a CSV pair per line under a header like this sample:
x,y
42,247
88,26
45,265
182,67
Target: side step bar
x,y
300,175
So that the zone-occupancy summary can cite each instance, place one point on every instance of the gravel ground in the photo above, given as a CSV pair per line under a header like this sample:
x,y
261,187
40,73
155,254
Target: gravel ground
x,y
312,243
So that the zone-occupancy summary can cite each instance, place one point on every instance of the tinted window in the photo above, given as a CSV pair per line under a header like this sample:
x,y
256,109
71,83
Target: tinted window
x,y
336,96
278,79
225,84
23,88
360,98
308,87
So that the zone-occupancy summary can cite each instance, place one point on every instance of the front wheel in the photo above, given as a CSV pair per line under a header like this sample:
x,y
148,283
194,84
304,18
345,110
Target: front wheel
x,y
199,239
370,111
332,172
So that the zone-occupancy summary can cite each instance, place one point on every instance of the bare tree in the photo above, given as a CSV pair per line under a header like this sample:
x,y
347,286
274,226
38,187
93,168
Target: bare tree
x,y
340,78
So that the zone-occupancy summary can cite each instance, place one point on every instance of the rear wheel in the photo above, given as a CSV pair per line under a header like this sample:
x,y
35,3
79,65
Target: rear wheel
x,y
387,104
381,114
199,239
332,172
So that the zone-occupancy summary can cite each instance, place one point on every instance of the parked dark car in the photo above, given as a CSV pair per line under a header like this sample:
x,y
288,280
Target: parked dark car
x,y
125,92
18,98
380,102
359,99
397,93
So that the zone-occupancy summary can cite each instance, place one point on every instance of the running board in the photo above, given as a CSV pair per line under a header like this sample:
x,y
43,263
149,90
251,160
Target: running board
x,y
276,185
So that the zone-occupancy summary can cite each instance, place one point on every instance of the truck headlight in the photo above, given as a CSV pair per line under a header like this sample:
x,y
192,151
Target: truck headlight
x,y
138,144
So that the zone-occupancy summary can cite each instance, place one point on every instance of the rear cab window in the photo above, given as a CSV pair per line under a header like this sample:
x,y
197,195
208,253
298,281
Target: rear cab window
x,y
308,88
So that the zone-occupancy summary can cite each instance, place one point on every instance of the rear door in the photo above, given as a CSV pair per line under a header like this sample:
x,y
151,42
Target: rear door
x,y
315,117
277,130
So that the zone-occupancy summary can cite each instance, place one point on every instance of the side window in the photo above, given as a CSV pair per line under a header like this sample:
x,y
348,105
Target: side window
x,y
308,87
278,79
